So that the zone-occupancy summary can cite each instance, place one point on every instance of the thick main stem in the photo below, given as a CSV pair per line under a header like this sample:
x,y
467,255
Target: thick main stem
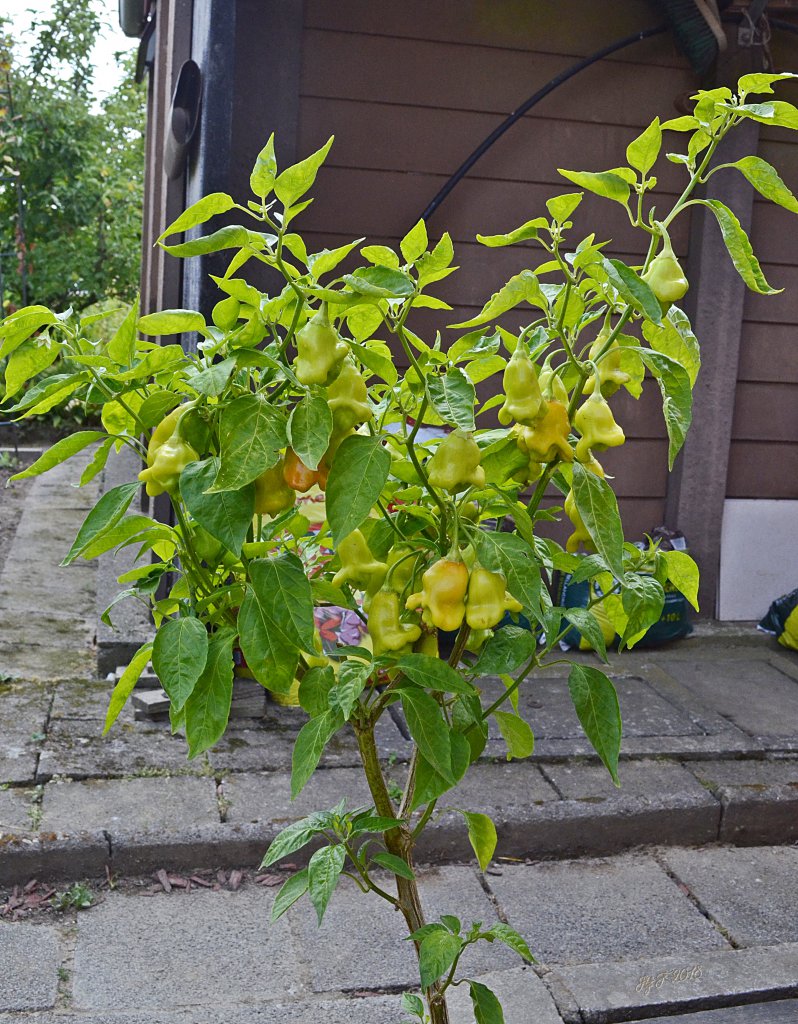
x,y
399,842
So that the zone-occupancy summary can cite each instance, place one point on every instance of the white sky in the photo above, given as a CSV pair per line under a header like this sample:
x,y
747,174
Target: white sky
x,y
112,39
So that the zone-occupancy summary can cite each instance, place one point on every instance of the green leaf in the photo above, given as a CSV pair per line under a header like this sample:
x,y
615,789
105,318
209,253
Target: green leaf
x,y
122,347
208,706
275,621
251,436
511,555
126,685
127,527
60,452
633,289
429,730
604,183
97,463
507,650
643,601
453,397
394,864
683,574
314,690
675,339
775,112
517,734
291,891
561,207
311,740
324,870
596,704
226,515
433,674
19,326
294,837
482,836
380,282
523,287
323,262
161,357
309,429
487,1008
739,248
759,82
643,151
766,181
178,657
380,255
590,628
436,955
357,476
261,180
352,677
531,229
436,265
376,362
415,242
234,236
104,516
199,212
171,321
598,507
412,1004
295,181
677,398
30,358
510,937
212,381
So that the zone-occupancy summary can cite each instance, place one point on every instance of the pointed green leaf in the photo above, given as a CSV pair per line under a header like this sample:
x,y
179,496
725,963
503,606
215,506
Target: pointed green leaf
x,y
199,212
251,436
510,937
429,730
178,657
208,706
487,1008
415,242
517,734
60,452
357,476
352,678
643,151
766,181
603,183
295,181
29,359
598,507
675,339
482,836
292,890
122,347
324,870
677,398
683,574
596,704
523,287
436,955
433,674
126,684
103,517
633,289
294,837
225,515
394,864
643,601
562,207
531,229
171,321
453,398
212,381
309,428
590,628
739,248
311,740
261,180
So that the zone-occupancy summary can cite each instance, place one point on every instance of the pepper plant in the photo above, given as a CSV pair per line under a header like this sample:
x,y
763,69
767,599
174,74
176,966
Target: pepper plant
x,y
434,542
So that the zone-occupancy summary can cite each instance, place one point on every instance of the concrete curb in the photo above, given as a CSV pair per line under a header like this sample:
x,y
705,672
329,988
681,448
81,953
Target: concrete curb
x,y
665,805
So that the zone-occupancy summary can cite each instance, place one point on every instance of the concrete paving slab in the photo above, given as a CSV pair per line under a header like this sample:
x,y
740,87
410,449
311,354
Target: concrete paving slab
x,y
31,956
663,984
85,700
647,780
201,949
78,750
523,996
781,1011
356,1010
75,657
141,806
759,798
368,935
595,910
256,797
23,712
546,704
754,695
15,810
752,892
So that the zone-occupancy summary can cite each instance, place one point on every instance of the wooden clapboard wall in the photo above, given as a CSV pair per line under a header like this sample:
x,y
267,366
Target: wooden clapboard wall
x,y
409,90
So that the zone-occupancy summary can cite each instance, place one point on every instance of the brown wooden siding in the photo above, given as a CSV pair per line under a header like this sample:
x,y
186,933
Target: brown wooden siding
x,y
409,92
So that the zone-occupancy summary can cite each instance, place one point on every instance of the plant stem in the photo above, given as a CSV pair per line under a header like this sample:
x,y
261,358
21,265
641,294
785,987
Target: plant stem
x,y
399,842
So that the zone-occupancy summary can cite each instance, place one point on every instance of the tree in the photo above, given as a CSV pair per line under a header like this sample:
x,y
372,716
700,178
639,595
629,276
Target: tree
x,y
71,174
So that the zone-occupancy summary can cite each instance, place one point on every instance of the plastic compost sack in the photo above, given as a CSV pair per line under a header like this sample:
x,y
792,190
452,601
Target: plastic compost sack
x,y
781,620
673,623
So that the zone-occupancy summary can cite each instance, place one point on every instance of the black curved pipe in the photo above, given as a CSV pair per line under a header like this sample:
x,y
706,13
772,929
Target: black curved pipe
x,y
509,121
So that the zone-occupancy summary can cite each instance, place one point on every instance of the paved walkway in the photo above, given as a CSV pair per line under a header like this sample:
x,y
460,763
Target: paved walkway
x,y
699,873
